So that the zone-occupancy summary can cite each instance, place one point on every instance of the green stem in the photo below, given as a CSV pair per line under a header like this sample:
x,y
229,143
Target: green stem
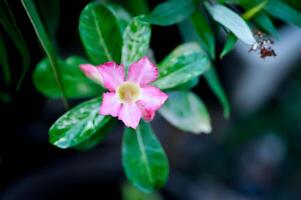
x,y
46,44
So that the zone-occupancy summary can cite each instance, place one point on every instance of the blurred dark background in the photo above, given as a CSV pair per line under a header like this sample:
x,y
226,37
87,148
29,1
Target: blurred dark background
x,y
255,154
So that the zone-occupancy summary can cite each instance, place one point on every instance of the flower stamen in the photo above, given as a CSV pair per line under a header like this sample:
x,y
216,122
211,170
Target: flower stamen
x,y
128,92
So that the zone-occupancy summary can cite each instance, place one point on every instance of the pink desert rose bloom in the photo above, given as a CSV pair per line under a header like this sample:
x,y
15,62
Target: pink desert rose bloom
x,y
128,99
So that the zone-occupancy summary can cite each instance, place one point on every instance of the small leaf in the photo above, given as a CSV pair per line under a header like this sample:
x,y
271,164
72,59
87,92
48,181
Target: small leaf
x,y
254,10
171,12
229,45
186,62
205,33
78,124
187,112
216,87
232,21
284,12
100,33
131,193
135,41
4,62
143,158
266,24
75,84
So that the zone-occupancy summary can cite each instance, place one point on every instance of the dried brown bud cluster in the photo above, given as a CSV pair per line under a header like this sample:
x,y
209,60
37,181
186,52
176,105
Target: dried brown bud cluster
x,y
263,45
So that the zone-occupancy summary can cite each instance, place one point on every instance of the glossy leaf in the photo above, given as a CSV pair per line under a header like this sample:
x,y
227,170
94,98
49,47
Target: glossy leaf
x,y
136,40
204,32
266,24
4,62
231,21
186,62
122,16
171,12
229,45
46,44
216,87
73,79
100,33
187,112
143,158
8,21
284,12
78,124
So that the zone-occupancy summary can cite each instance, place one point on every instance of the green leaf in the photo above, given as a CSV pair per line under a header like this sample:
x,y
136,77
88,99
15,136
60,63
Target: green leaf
x,y
46,44
131,193
229,45
205,33
100,33
186,86
254,10
136,7
216,87
8,21
284,12
136,40
95,139
143,158
187,112
232,21
122,16
266,24
171,12
73,79
186,62
4,62
78,124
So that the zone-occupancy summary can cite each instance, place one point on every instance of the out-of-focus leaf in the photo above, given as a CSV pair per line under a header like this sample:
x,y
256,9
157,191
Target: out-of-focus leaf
x,y
100,33
171,12
46,44
216,87
136,40
186,86
266,24
143,158
205,33
75,83
232,21
187,112
5,97
229,45
10,26
137,7
284,12
131,193
186,62
95,139
4,62
123,17
254,10
78,124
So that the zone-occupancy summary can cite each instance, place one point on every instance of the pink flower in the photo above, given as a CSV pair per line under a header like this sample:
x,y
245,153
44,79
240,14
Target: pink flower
x,y
128,99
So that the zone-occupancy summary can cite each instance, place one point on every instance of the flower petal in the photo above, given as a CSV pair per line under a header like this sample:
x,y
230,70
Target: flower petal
x,y
112,74
152,98
130,114
110,104
143,72
148,114
92,73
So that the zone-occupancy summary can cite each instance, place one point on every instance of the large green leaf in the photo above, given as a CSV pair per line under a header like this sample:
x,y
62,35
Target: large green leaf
x,y
8,21
183,64
100,33
187,112
122,16
171,12
136,7
136,40
216,87
75,83
78,124
205,33
143,158
284,12
131,193
232,21
4,62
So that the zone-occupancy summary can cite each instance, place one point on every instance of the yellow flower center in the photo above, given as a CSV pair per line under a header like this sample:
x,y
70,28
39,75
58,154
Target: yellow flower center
x,y
128,92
